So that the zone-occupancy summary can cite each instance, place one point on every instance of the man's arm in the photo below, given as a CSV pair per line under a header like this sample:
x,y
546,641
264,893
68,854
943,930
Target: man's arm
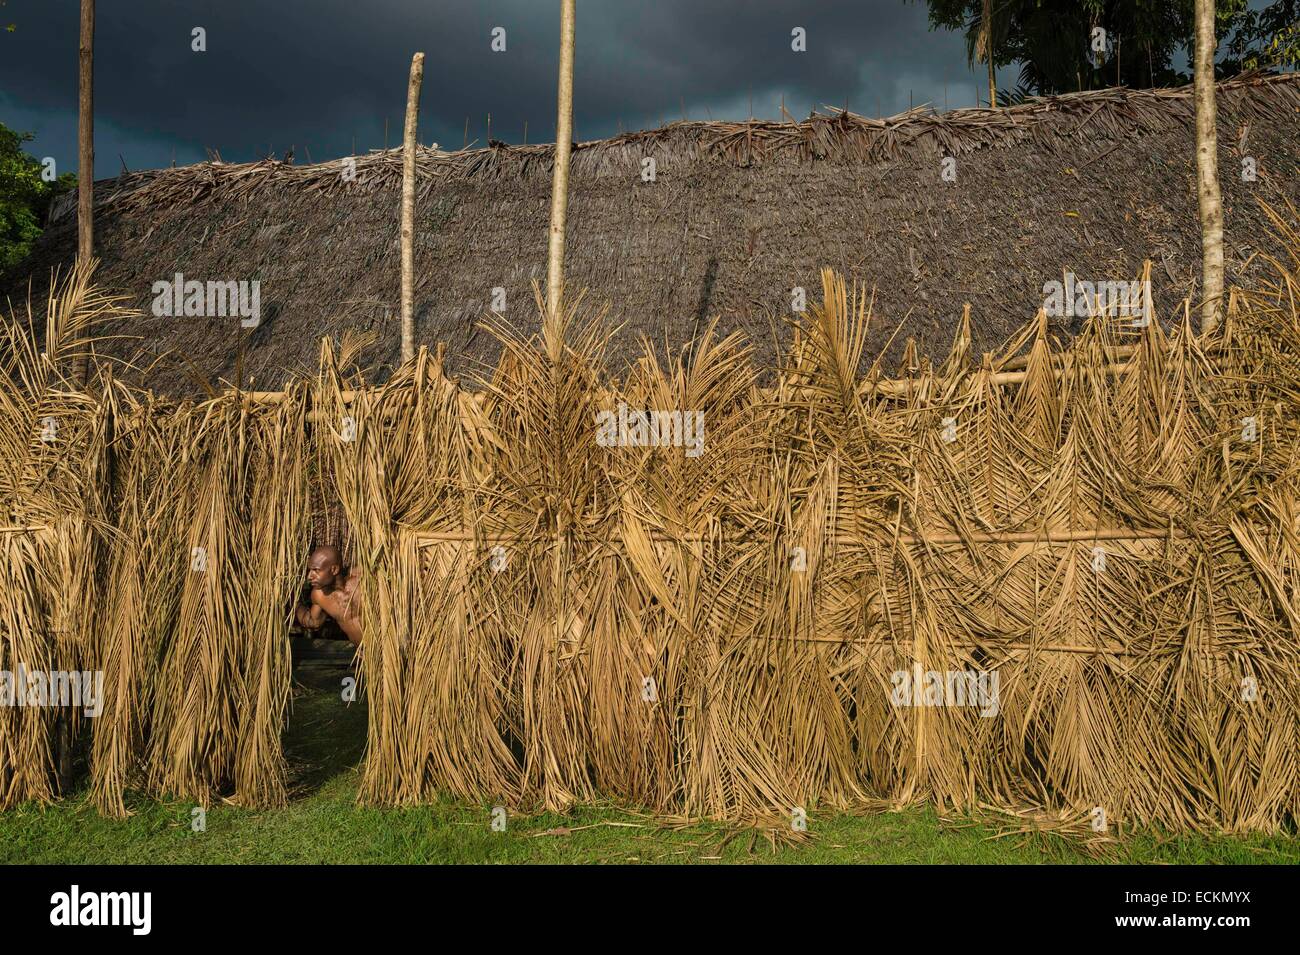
x,y
311,616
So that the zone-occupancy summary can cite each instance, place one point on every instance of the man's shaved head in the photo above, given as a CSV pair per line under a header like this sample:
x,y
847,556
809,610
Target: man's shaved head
x,y
323,567
329,553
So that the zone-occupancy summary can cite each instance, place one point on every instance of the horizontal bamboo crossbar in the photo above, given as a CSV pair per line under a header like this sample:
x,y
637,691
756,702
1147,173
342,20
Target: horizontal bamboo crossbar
x,y
902,387
1108,649
1053,535
348,397
1114,353
1050,536
1012,373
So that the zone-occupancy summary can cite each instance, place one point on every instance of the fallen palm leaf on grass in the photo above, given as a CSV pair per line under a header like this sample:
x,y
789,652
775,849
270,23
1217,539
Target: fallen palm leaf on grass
x,y
1040,828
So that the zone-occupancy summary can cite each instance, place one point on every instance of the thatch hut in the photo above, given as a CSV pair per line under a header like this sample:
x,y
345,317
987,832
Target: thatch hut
x,y
737,215
1094,538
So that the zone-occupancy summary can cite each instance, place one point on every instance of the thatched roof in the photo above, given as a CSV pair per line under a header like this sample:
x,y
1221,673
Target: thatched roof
x,y
739,213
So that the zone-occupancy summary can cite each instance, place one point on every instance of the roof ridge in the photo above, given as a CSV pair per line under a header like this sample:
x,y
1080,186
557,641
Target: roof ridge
x,y
829,134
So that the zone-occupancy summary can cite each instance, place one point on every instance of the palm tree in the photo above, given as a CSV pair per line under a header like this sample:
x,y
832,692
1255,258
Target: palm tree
x,y
1207,170
984,45
563,141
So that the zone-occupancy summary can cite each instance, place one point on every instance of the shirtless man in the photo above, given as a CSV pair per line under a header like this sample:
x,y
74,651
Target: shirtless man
x,y
333,594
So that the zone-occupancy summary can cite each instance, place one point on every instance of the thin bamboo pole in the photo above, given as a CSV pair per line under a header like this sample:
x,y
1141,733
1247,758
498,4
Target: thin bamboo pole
x,y
408,206
85,155
563,144
1114,354
1051,536
1108,649
1209,198
902,387
1055,535
892,387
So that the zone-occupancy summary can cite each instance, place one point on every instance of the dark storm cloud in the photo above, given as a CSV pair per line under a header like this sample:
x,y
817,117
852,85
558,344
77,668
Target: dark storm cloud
x,y
313,75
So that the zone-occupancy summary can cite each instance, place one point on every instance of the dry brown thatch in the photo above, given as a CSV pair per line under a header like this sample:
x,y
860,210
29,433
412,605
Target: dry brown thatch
x,y
739,215
1162,686
105,499
54,501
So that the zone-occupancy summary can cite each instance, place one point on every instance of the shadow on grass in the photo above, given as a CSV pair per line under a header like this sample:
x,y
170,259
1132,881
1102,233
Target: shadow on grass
x,y
325,737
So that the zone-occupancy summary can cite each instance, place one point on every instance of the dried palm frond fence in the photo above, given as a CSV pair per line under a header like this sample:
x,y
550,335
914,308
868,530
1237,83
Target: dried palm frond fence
x,y
1111,529
159,543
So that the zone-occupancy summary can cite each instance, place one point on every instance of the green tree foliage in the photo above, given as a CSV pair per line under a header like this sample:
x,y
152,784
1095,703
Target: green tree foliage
x,y
25,198
1056,47
1268,38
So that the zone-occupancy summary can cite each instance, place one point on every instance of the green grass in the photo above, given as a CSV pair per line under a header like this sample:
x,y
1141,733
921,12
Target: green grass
x,y
324,824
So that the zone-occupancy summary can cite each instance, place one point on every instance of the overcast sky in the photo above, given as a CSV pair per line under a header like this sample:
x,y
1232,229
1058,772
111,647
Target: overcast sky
x,y
314,74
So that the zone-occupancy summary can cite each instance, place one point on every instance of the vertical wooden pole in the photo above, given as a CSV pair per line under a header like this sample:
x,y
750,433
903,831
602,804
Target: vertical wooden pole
x,y
1209,199
85,154
563,142
988,52
408,207
85,250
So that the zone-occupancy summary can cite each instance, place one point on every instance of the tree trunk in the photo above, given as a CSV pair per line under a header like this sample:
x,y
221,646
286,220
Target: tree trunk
x,y
408,207
987,24
85,154
563,142
1207,169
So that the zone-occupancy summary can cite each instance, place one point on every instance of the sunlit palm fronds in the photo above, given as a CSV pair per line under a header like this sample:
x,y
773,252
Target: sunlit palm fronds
x,y
54,500
1108,527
